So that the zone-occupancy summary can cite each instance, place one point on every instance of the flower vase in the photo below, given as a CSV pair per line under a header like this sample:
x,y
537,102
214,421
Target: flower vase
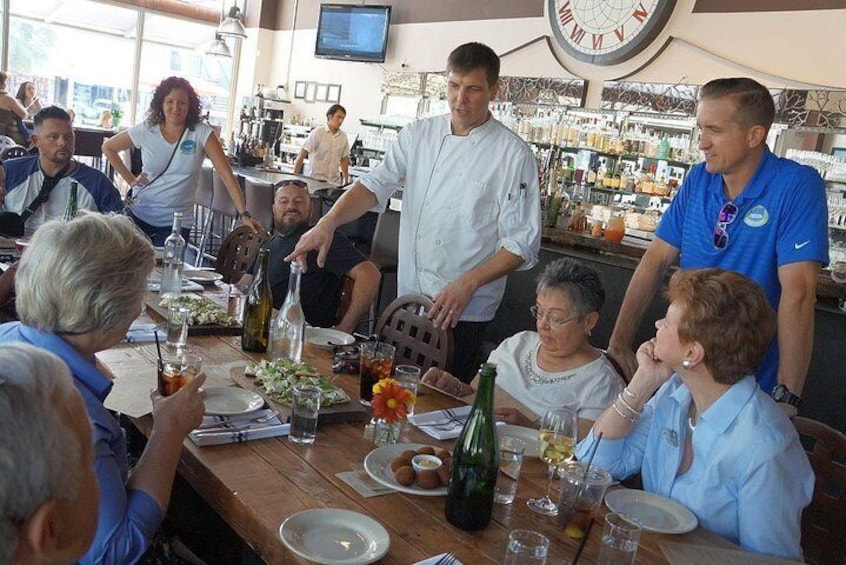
x,y
385,433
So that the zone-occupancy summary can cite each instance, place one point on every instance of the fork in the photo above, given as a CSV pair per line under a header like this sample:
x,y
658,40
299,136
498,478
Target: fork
x,y
447,559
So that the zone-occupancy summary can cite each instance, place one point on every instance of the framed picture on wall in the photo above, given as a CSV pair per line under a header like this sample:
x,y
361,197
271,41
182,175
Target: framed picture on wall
x,y
300,89
333,93
311,92
320,95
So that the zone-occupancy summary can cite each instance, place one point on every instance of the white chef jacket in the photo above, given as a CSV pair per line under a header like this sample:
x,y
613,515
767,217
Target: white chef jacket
x,y
464,199
325,151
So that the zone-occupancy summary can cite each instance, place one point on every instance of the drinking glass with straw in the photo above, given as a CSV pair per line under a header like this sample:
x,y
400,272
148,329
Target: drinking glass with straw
x,y
576,498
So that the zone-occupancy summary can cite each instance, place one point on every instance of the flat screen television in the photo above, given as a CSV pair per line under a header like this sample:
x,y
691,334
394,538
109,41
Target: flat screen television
x,y
353,33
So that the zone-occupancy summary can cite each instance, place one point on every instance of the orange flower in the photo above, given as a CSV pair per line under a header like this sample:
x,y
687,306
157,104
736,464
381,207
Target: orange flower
x,y
390,400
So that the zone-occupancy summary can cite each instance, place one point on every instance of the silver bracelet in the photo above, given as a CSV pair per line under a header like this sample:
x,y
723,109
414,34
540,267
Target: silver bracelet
x,y
629,393
619,412
629,406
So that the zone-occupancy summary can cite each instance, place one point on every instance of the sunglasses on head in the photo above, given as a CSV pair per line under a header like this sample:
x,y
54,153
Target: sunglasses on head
x,y
299,183
728,213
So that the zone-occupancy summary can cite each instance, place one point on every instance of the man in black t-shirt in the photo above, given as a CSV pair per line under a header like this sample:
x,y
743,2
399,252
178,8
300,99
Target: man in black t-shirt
x,y
320,290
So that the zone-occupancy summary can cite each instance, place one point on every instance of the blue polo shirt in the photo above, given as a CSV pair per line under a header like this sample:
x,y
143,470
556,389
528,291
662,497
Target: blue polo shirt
x,y
128,519
782,219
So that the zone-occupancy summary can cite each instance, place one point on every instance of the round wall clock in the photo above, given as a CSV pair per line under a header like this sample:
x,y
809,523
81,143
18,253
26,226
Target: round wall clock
x,y
607,32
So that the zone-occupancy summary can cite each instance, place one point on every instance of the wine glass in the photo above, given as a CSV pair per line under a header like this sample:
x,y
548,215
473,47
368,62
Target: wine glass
x,y
557,436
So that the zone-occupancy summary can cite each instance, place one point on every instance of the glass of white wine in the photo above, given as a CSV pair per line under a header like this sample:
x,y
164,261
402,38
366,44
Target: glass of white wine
x,y
557,436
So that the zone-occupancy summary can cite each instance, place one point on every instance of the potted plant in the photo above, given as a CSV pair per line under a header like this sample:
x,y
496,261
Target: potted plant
x,y
117,115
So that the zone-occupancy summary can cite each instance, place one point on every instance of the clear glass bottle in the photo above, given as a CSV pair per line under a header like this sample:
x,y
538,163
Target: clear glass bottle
x,y
173,259
258,309
289,330
475,462
72,207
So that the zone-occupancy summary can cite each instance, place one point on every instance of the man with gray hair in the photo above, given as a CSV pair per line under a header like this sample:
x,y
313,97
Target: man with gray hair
x,y
48,490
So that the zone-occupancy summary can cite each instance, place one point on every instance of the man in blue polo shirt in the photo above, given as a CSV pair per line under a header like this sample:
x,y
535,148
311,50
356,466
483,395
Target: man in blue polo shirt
x,y
25,177
746,210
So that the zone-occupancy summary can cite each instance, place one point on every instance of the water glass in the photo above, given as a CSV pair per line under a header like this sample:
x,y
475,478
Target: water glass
x,y
408,376
619,541
526,547
235,301
377,363
176,370
305,407
580,497
177,328
511,451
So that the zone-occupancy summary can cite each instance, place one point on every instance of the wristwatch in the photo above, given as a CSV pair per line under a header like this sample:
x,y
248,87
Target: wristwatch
x,y
782,394
244,214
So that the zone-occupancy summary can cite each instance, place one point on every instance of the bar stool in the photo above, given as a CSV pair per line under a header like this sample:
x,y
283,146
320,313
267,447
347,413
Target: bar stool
x,y
203,199
259,197
223,208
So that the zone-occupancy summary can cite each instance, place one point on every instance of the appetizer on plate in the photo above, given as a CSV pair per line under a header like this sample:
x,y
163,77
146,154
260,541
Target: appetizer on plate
x,y
203,311
280,376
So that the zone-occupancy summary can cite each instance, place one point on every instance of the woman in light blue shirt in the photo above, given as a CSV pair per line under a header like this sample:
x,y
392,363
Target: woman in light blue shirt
x,y
710,438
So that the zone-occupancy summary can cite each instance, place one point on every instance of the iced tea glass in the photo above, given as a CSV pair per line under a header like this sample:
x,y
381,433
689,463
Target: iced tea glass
x,y
176,370
377,363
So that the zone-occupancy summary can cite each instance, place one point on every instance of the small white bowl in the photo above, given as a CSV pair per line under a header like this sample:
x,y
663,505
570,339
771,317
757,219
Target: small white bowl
x,y
425,463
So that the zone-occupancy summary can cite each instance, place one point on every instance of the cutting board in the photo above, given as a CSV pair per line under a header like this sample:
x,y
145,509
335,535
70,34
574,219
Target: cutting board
x,y
351,411
160,313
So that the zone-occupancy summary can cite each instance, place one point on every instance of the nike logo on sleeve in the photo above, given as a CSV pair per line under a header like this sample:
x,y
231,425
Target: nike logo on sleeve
x,y
801,245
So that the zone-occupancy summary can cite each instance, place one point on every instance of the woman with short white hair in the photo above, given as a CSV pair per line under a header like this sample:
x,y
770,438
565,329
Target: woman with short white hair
x,y
79,286
48,491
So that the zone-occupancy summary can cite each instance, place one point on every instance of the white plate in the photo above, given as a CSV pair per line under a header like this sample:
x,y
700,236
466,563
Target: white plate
x,y
378,466
528,435
202,277
330,535
231,401
653,512
327,338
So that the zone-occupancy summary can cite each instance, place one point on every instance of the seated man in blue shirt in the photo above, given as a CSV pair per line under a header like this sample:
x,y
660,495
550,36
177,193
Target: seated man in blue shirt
x,y
25,177
320,290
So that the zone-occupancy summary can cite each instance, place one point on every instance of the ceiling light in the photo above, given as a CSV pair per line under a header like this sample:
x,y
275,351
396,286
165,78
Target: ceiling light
x,y
232,25
218,47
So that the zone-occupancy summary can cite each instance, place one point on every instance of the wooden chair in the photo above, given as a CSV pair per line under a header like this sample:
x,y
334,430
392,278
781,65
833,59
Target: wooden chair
x,y
237,252
404,325
824,520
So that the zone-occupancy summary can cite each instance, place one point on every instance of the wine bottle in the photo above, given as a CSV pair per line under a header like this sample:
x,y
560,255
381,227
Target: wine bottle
x,y
258,309
475,462
173,259
289,330
71,209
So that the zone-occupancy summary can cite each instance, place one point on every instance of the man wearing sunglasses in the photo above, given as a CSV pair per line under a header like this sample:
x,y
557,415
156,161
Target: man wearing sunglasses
x,y
746,210
320,289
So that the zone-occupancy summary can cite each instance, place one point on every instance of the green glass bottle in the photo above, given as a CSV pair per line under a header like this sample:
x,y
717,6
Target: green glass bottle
x,y
258,309
72,207
475,462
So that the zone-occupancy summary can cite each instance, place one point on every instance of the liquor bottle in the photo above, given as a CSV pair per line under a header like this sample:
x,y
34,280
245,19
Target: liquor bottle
x,y
70,211
475,462
289,330
258,309
173,258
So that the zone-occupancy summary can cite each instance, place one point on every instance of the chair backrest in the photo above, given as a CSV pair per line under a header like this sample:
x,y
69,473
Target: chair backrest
x,y
13,152
404,325
204,193
824,520
237,252
222,202
385,248
259,198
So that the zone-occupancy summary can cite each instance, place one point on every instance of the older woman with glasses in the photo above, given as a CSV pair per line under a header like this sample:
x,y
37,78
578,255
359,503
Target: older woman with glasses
x,y
710,438
555,366
173,142
79,286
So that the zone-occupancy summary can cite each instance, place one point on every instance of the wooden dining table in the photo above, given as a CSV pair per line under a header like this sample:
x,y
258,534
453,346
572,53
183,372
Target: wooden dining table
x,y
255,485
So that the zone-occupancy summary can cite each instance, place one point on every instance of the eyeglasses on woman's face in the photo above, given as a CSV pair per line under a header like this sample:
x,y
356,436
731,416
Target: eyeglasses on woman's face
x,y
554,322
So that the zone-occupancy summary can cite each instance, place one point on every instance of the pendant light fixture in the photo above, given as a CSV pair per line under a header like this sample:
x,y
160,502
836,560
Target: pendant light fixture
x,y
218,47
232,25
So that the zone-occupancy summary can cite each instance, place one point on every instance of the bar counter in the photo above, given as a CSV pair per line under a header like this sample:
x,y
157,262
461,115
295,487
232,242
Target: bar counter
x,y
825,388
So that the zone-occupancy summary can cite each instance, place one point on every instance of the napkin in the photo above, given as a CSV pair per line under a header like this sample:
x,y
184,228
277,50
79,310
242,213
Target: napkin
x,y
218,430
434,560
154,285
442,424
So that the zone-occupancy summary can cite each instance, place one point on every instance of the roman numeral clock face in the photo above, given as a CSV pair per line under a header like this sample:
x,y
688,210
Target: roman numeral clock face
x,y
607,32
